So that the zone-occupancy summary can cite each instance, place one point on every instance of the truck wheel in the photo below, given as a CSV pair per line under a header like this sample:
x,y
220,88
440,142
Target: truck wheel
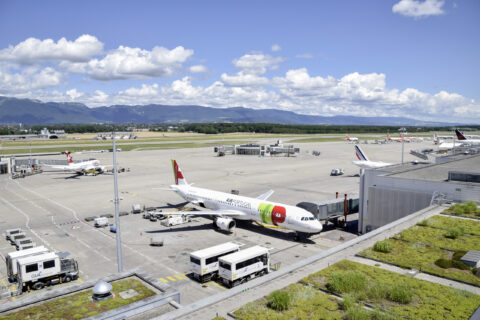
x,y
67,279
38,285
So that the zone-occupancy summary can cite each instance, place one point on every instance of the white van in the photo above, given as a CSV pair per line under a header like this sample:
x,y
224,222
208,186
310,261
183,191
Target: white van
x,y
100,222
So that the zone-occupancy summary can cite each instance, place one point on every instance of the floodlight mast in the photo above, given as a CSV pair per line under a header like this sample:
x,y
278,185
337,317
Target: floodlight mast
x,y
116,201
402,133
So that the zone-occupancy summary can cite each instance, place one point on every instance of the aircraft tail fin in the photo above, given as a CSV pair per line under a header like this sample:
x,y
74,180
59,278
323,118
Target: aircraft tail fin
x,y
460,135
69,157
388,137
347,138
177,173
360,154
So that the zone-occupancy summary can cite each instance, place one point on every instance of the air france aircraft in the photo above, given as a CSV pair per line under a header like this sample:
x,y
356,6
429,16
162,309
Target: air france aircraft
x,y
84,167
363,161
226,207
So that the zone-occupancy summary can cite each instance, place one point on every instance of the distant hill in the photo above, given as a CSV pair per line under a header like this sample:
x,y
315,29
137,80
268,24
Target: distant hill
x,y
26,111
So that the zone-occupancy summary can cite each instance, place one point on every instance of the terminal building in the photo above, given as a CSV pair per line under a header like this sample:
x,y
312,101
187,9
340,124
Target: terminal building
x,y
392,192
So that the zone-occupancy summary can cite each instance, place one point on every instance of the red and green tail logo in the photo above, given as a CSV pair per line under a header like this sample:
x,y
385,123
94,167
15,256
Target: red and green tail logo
x,y
272,214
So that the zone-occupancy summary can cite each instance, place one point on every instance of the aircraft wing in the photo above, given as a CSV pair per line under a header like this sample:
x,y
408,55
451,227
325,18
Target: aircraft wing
x,y
222,213
266,195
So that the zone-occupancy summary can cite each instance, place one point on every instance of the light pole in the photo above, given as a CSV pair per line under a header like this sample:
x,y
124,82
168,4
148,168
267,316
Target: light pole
x,y
115,200
402,134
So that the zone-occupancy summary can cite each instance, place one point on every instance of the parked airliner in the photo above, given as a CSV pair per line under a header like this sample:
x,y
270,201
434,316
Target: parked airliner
x,y
351,139
363,161
226,207
84,167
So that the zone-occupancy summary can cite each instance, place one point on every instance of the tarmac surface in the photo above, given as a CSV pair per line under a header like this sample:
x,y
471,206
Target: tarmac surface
x,y
51,207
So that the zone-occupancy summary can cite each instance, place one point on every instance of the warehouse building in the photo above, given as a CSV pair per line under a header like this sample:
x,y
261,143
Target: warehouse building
x,y
393,192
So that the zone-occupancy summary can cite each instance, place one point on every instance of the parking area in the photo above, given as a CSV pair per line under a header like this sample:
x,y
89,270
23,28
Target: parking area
x,y
51,207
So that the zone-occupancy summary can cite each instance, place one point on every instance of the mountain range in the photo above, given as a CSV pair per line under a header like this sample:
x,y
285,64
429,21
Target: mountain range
x,y
27,111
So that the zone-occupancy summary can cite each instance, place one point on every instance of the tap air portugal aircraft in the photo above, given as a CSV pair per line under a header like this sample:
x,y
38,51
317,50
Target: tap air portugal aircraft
x,y
226,208
84,167
363,161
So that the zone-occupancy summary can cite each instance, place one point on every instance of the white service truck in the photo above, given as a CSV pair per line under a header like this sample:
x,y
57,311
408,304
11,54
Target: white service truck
x,y
175,220
45,269
11,232
12,257
241,266
204,263
100,222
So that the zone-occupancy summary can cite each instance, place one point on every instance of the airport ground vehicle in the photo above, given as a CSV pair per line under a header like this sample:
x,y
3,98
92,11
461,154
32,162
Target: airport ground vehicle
x,y
175,220
239,267
23,242
45,269
204,263
12,257
26,246
11,232
17,236
336,172
100,222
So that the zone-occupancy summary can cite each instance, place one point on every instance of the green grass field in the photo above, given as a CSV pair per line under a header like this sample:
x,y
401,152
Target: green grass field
x,y
80,305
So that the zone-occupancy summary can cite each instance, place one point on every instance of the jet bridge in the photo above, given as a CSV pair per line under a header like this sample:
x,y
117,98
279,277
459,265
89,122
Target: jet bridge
x,y
331,210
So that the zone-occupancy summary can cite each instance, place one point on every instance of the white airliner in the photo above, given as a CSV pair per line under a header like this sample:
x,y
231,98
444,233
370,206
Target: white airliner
x,y
462,141
461,138
84,167
363,161
226,207
351,139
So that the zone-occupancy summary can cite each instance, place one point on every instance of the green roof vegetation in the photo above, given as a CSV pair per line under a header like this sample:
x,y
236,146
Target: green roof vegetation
x,y
402,295
468,209
413,255
80,305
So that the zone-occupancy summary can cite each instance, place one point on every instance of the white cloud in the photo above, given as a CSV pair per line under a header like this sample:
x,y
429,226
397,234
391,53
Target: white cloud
x,y
198,69
276,48
126,63
419,9
243,80
257,63
34,50
27,79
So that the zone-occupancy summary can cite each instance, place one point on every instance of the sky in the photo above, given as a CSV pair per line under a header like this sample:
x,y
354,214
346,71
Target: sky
x,y
398,58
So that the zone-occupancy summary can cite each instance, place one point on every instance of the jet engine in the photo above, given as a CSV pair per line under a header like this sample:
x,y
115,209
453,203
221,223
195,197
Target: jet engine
x,y
225,224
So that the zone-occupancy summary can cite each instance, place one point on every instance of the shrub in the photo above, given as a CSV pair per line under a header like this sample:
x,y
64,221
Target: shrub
x,y
423,223
478,212
470,207
377,291
460,265
382,246
458,255
401,294
444,263
348,301
357,312
454,233
458,210
476,271
279,300
347,281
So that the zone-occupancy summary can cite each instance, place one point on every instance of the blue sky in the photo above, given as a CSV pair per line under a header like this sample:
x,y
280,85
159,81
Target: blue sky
x,y
416,58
